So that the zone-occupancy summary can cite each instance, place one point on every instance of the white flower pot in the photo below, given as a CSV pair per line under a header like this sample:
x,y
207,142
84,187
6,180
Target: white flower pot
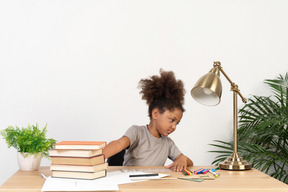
x,y
29,163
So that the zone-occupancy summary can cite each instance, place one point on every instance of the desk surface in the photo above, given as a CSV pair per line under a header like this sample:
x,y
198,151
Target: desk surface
x,y
250,180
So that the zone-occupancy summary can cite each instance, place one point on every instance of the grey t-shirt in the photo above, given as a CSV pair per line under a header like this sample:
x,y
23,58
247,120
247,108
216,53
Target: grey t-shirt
x,y
147,150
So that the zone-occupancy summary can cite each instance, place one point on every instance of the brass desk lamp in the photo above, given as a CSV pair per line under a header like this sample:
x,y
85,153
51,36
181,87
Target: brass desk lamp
x,y
207,91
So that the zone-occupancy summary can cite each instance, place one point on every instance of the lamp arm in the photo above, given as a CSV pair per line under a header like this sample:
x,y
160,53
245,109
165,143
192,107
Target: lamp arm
x,y
235,161
234,87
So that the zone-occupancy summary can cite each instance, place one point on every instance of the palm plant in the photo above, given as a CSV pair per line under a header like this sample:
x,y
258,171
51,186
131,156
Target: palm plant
x,y
263,132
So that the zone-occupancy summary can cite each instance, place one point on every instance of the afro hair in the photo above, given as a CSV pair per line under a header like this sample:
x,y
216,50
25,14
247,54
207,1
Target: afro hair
x,y
163,92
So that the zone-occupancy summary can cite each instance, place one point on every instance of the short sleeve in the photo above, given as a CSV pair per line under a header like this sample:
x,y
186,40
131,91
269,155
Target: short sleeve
x,y
174,151
131,133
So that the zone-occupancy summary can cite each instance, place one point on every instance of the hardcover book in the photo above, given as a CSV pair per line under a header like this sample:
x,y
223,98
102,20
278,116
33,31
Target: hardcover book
x,y
79,168
95,160
75,152
79,175
80,144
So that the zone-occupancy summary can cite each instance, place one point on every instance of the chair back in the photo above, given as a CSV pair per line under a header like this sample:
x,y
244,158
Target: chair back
x,y
117,159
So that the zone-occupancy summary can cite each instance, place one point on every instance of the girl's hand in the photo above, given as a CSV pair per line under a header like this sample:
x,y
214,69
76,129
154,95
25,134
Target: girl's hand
x,y
180,163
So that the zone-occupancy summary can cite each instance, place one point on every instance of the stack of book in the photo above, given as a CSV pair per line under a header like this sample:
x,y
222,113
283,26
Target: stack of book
x,y
78,159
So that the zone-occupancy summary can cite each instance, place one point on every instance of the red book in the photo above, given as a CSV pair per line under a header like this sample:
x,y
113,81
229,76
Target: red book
x,y
80,144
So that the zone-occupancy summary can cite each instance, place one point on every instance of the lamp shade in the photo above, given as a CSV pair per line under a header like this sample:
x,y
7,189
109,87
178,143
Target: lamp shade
x,y
208,88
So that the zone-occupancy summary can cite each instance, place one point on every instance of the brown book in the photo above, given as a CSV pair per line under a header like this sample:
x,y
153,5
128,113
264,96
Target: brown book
x,y
79,168
99,159
75,153
79,175
80,144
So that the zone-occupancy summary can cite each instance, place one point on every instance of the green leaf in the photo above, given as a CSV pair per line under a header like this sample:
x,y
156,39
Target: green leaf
x,y
30,139
262,132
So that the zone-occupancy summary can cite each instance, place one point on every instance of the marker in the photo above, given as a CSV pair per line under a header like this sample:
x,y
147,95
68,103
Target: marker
x,y
42,175
186,172
190,172
144,175
205,171
214,173
199,171
214,169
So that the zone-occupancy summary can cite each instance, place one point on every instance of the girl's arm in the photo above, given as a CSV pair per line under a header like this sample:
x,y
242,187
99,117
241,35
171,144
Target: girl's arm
x,y
116,146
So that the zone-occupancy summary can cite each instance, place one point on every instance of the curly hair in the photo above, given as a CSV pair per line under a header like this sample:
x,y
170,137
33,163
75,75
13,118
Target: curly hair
x,y
163,92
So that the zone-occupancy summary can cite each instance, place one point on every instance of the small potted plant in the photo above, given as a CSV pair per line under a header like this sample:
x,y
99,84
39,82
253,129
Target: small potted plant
x,y
31,144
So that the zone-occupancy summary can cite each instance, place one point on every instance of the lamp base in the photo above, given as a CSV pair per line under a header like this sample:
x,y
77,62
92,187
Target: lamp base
x,y
235,163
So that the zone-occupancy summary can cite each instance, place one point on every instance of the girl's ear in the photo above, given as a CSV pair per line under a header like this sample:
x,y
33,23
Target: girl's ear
x,y
155,113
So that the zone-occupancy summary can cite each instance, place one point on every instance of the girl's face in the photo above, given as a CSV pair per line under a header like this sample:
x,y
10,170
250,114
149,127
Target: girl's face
x,y
166,122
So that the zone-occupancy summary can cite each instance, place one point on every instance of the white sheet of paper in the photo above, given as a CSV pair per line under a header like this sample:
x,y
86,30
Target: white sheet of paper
x,y
59,184
121,178
108,183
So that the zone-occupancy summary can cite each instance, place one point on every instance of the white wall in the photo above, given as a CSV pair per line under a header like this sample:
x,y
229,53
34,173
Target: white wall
x,y
75,65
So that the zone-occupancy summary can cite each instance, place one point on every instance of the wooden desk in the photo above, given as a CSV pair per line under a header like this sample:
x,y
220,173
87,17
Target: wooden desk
x,y
251,180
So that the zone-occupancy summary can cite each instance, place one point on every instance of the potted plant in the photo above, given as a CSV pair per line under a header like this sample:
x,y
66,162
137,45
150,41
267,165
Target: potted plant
x,y
31,144
263,131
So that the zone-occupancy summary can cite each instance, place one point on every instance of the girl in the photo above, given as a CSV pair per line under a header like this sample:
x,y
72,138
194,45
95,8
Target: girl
x,y
149,145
